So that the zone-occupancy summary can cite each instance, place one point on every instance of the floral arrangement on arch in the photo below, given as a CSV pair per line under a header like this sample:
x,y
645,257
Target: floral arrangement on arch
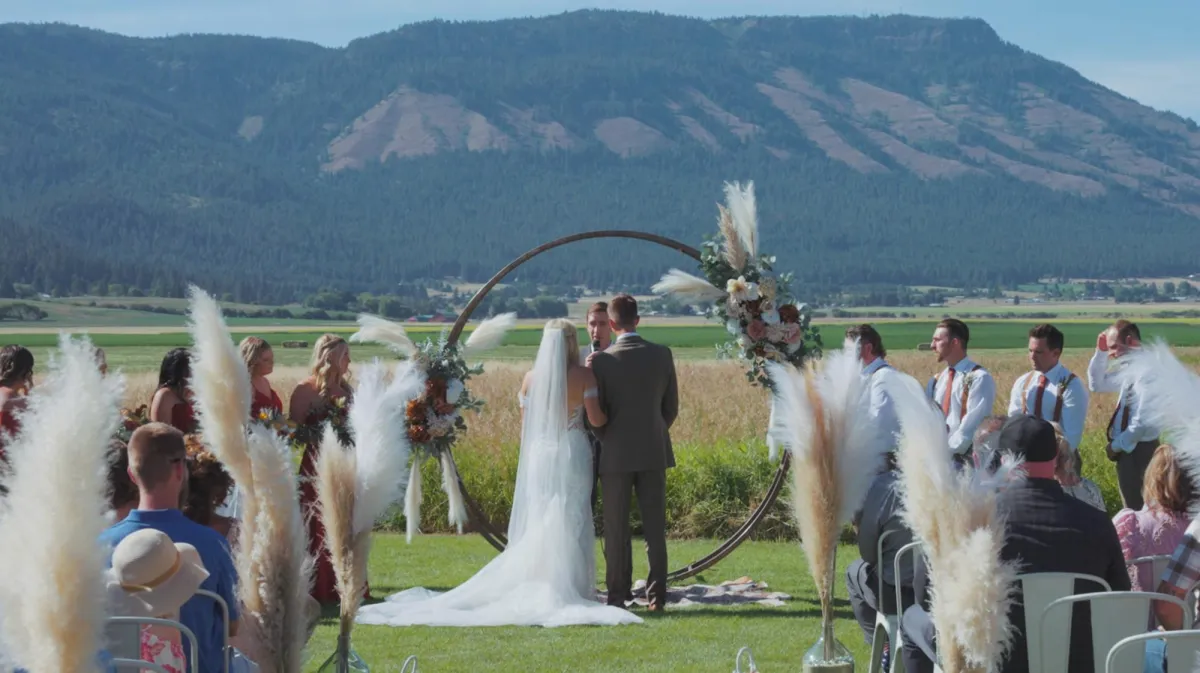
x,y
434,420
744,294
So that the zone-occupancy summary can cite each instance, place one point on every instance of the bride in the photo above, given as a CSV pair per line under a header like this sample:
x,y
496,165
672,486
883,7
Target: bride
x,y
546,576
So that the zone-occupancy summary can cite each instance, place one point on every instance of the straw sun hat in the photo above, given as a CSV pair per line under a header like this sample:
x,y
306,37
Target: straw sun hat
x,y
157,575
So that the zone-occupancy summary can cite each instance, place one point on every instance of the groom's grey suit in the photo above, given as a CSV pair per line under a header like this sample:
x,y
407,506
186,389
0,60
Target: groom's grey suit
x,y
638,391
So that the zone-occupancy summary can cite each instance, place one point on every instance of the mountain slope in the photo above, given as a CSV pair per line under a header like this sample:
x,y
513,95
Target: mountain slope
x,y
897,149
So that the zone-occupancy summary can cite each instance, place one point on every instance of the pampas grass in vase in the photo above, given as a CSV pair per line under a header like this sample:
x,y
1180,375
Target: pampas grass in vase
x,y
956,516
355,486
819,415
271,551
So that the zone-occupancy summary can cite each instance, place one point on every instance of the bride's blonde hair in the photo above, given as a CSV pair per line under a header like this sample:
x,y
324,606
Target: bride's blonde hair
x,y
570,335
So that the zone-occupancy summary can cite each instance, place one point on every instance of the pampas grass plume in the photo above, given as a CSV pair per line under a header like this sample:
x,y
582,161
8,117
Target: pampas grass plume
x,y
956,517
490,333
54,590
688,287
375,329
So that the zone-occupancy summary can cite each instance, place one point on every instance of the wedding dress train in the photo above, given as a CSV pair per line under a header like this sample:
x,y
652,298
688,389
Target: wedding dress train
x,y
546,576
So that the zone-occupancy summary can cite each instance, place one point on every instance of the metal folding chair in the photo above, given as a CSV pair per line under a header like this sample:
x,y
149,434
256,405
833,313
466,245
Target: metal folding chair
x,y
897,661
137,664
1182,647
193,656
1038,592
1116,615
885,625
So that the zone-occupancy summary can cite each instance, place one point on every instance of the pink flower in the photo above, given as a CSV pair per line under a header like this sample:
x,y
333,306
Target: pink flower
x,y
791,333
757,329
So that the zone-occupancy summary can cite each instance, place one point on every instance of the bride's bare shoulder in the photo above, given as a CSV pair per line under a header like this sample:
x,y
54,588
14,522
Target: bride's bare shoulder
x,y
578,376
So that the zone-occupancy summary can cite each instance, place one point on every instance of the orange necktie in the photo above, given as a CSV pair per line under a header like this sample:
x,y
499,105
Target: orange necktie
x,y
946,396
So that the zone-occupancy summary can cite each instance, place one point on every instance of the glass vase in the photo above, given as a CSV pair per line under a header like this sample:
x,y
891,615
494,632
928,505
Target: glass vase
x,y
344,659
828,655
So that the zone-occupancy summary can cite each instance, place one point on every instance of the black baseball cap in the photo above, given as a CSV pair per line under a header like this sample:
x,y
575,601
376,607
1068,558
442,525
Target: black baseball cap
x,y
1029,437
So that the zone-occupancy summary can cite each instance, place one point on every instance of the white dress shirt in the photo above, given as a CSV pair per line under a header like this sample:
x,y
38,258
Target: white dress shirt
x,y
1101,380
981,395
882,408
1074,396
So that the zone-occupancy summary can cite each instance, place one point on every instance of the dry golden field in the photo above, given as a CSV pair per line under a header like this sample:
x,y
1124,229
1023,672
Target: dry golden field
x,y
722,466
717,404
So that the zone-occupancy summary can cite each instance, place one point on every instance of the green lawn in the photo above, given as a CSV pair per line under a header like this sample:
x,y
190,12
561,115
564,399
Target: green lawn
x,y
684,639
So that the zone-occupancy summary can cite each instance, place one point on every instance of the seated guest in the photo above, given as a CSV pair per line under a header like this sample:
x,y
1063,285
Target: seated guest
x,y
172,401
1067,475
151,577
209,485
983,444
158,465
1047,531
1158,526
880,515
122,493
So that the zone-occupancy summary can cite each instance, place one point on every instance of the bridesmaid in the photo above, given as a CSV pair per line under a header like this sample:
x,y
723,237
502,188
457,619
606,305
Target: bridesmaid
x,y
311,404
260,361
172,401
16,379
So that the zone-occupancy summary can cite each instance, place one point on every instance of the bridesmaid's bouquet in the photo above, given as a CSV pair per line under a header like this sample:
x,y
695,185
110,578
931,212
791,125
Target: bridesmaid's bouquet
x,y
131,419
273,420
745,295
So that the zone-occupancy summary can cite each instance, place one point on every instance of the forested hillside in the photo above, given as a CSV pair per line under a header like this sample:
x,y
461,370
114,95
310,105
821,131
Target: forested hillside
x,y
897,150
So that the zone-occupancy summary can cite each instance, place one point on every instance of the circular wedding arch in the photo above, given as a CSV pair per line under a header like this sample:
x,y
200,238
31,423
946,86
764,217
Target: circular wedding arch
x,y
477,516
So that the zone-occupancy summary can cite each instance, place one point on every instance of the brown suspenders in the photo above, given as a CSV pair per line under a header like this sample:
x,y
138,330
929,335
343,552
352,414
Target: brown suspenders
x,y
1058,403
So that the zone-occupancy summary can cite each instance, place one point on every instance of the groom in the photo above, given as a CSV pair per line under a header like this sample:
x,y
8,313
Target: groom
x,y
637,389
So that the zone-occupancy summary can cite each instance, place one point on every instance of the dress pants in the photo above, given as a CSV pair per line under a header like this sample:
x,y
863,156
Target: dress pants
x,y
1131,470
862,584
651,490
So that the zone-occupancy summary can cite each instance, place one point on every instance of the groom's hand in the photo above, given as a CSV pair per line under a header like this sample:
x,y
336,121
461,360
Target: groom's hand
x,y
591,356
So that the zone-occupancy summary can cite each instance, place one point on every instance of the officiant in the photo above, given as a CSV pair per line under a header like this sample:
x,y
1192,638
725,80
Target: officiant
x,y
599,339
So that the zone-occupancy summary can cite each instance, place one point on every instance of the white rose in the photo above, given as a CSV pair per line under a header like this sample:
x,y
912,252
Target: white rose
x,y
454,389
771,317
733,327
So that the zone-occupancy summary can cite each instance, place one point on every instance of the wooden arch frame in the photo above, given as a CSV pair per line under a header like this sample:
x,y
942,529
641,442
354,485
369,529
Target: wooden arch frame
x,y
480,520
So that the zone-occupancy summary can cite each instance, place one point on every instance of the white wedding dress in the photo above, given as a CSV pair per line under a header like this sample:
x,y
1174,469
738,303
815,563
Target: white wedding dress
x,y
546,576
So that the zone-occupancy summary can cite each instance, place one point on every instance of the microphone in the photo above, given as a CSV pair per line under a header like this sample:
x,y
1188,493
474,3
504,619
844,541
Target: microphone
x,y
595,345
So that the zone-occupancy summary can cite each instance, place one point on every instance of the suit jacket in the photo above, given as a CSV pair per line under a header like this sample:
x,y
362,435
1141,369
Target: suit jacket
x,y
1050,531
637,388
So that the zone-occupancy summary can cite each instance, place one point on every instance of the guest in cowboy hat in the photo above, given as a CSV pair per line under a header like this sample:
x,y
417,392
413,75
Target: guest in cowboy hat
x,y
151,576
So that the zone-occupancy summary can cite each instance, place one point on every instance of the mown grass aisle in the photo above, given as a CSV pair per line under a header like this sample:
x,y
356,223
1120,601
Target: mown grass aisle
x,y
698,638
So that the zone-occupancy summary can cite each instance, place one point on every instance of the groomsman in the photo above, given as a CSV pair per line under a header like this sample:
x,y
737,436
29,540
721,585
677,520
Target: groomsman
x,y
1131,439
1051,392
964,390
877,370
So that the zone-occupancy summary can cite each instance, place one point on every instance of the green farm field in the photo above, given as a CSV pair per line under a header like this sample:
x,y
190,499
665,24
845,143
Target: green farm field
x,y
141,349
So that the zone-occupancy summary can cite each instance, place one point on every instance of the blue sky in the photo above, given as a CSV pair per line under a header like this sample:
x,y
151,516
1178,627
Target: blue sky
x,y
1146,50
